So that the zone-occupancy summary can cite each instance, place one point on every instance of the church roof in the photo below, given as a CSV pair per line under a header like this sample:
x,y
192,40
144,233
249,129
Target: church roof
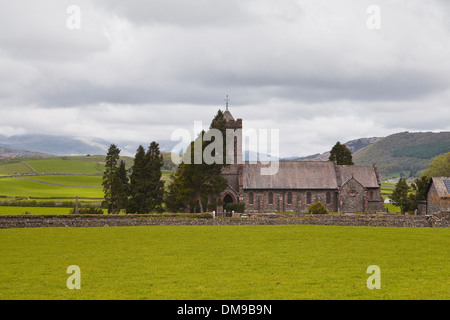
x,y
292,175
307,175
365,175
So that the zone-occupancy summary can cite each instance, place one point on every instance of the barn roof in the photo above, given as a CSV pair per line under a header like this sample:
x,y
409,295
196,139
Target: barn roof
x,y
292,175
442,185
365,175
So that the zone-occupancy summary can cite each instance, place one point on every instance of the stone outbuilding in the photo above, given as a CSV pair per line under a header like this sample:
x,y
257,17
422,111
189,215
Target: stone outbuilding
x,y
438,195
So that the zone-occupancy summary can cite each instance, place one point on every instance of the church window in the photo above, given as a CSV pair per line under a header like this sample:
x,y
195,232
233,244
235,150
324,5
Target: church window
x,y
328,197
270,197
250,198
371,195
308,197
289,198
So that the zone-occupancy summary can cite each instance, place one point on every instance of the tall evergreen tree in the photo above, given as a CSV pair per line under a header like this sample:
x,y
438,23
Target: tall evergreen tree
x,y
146,187
341,154
136,203
155,187
197,183
109,177
121,187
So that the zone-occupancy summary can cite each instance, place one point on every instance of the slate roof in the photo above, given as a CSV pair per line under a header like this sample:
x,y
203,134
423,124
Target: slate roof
x,y
441,186
307,175
363,174
292,175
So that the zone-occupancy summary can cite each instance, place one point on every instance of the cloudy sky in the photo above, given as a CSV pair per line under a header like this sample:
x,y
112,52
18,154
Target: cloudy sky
x,y
318,71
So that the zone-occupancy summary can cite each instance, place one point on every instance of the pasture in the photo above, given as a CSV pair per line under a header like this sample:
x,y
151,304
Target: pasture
x,y
15,187
225,262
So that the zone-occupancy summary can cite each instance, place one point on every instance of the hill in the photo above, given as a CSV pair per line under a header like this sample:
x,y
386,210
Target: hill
x,y
39,144
352,145
405,151
8,153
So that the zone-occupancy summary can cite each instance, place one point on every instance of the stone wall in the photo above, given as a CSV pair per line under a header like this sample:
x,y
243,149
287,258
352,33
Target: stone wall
x,y
280,200
441,220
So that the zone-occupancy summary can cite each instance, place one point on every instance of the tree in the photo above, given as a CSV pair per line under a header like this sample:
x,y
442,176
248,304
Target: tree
x,y
200,183
110,178
439,166
146,187
400,197
419,187
121,186
341,154
155,187
136,203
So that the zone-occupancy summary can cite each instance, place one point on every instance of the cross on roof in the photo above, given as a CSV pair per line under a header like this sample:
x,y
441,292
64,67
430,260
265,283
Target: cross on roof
x,y
227,100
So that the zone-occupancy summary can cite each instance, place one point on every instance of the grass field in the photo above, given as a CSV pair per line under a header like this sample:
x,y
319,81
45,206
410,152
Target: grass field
x,y
225,262
13,187
90,181
36,210
14,168
70,165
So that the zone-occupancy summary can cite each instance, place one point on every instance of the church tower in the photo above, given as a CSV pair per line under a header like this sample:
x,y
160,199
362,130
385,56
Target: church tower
x,y
232,171
234,132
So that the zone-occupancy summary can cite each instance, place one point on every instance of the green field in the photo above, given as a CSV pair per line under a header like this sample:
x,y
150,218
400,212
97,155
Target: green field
x,y
68,165
7,210
13,187
225,262
33,210
90,181
14,168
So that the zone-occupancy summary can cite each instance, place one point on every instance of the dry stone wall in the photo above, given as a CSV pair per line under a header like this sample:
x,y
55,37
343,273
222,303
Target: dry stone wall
x,y
441,220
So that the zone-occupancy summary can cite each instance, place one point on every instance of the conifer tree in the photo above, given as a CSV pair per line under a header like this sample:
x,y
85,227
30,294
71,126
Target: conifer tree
x,y
155,187
146,187
399,196
341,154
196,183
109,177
136,203
121,187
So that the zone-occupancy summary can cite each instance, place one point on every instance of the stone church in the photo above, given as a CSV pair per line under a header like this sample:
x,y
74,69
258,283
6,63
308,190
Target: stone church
x,y
299,184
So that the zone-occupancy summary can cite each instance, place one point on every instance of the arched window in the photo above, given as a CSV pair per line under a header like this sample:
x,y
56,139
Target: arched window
x,y
328,197
270,197
308,197
371,195
250,197
289,197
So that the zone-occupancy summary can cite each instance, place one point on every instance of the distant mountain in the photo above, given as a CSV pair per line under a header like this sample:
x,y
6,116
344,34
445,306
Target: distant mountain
x,y
352,145
404,151
66,146
8,153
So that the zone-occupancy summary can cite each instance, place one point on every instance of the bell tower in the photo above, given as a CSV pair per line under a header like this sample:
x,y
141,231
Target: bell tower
x,y
234,135
232,171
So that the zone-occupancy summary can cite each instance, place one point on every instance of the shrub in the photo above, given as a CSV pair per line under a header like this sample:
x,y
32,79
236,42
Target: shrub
x,y
317,208
87,210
